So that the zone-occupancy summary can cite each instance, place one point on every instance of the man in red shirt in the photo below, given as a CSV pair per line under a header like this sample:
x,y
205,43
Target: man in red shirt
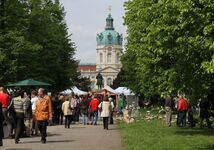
x,y
94,108
182,111
4,99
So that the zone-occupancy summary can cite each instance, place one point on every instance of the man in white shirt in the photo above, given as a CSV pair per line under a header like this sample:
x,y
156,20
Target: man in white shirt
x,y
34,100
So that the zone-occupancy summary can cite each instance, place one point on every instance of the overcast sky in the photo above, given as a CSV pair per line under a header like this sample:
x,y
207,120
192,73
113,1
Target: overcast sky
x,y
86,18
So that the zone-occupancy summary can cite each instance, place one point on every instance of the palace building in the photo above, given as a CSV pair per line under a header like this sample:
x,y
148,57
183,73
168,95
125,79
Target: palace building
x,y
108,52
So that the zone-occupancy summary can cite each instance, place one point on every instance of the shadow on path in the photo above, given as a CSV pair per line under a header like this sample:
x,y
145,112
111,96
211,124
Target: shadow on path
x,y
51,134
51,141
17,149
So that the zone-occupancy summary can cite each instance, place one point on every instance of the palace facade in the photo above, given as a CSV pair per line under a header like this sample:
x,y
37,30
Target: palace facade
x,y
108,52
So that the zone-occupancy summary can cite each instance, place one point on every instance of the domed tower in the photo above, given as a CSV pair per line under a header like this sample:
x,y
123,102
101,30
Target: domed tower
x,y
109,51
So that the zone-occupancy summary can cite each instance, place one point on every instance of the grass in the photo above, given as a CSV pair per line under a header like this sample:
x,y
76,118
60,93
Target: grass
x,y
154,135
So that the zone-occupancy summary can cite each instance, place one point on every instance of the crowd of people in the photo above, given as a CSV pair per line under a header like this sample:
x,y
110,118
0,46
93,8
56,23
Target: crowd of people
x,y
29,114
184,109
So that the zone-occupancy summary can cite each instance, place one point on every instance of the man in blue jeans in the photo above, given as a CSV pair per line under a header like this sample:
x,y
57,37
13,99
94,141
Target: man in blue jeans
x,y
94,108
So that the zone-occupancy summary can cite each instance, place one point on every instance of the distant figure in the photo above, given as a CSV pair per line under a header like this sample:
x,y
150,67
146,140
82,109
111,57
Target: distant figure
x,y
4,99
204,114
1,126
182,111
43,113
84,109
67,111
18,103
34,100
122,103
168,108
112,110
99,78
28,116
105,107
94,108
191,121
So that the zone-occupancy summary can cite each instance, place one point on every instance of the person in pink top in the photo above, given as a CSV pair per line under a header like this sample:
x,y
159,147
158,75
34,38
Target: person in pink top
x,y
94,108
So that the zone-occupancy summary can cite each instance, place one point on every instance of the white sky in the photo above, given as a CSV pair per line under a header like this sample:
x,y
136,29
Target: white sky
x,y
86,18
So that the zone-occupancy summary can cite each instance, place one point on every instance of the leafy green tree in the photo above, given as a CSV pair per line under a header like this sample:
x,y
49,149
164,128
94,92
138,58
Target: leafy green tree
x,y
34,43
83,84
171,42
15,51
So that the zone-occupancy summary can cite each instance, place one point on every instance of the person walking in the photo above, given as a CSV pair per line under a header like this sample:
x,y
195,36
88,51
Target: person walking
x,y
105,108
28,116
18,103
73,106
168,108
34,100
1,126
61,115
77,108
67,111
84,110
182,111
112,110
5,100
94,108
43,113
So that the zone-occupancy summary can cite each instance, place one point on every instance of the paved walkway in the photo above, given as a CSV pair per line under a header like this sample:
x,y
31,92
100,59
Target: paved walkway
x,y
78,137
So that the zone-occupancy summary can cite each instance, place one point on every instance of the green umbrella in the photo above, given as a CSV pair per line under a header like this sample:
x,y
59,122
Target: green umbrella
x,y
29,82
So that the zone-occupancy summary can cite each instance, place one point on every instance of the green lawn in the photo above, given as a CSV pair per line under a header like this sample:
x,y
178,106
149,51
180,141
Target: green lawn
x,y
153,135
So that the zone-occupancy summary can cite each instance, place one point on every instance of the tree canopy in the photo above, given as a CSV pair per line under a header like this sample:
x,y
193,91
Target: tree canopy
x,y
34,43
170,47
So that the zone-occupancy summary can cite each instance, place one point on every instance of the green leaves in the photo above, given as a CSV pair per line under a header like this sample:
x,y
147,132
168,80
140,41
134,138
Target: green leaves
x,y
34,43
172,42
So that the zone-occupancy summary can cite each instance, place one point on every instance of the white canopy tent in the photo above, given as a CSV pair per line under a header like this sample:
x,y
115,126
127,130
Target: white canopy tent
x,y
75,90
124,90
109,89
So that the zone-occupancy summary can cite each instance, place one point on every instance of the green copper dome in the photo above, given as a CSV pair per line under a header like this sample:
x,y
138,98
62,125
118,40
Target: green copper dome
x,y
109,36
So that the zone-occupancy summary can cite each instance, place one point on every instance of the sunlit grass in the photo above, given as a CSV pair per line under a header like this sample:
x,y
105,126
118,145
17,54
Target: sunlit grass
x,y
154,135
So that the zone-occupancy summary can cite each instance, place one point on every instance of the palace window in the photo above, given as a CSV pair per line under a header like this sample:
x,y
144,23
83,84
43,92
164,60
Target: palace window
x,y
109,81
109,58
101,58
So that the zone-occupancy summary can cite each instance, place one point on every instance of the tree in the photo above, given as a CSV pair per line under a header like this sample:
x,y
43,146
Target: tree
x,y
170,40
16,52
34,43
84,84
48,28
